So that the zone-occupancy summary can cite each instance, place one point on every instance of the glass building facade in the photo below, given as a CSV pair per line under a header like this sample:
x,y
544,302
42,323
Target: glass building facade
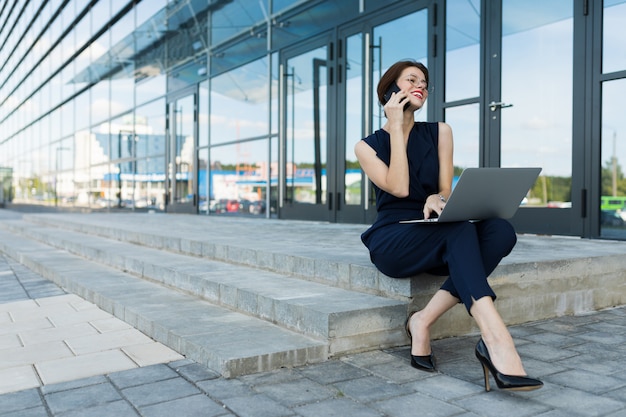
x,y
253,107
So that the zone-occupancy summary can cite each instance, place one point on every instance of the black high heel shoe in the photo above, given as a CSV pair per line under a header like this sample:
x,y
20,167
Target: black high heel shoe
x,y
507,382
424,363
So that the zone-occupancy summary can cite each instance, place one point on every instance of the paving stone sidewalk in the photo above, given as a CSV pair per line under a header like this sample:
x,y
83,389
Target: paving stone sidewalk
x,y
580,359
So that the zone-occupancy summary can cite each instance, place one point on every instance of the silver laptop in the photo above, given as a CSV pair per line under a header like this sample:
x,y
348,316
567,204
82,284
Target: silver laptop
x,y
484,193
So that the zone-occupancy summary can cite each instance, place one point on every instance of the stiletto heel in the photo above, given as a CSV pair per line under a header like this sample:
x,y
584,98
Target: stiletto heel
x,y
486,371
507,382
424,363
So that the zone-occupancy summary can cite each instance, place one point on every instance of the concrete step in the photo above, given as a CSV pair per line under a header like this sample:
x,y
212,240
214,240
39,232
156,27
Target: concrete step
x,y
308,250
229,342
347,321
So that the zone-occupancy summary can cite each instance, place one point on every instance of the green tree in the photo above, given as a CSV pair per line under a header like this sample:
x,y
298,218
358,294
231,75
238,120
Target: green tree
x,y
607,179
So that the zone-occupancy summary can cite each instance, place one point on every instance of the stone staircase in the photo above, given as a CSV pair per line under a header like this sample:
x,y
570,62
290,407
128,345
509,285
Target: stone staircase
x,y
250,295
232,316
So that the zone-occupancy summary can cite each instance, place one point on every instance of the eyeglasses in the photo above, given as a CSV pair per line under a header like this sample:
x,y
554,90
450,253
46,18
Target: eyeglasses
x,y
418,82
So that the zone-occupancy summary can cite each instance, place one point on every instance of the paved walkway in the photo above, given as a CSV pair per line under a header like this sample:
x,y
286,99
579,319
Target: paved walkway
x,y
48,337
79,361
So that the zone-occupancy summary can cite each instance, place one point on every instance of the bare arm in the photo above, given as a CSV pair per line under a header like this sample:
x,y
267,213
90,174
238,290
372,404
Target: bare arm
x,y
394,178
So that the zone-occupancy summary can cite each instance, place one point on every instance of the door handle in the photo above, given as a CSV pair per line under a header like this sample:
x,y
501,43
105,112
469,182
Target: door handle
x,y
500,104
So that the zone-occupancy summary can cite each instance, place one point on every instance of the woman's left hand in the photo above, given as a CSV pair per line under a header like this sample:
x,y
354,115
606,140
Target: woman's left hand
x,y
434,203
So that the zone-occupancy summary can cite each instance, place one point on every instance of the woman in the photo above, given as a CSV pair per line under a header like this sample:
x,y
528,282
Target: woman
x,y
410,165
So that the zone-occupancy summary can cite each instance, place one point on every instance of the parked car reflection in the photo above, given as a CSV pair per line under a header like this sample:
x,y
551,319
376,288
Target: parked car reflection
x,y
232,206
611,218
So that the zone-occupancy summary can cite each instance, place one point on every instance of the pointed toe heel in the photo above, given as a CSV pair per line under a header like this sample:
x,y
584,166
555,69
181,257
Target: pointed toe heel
x,y
423,363
503,381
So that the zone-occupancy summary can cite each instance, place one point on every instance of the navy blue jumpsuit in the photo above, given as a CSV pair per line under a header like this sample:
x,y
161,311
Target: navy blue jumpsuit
x,y
465,251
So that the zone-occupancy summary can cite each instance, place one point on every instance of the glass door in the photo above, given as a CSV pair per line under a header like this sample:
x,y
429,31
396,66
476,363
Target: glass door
x,y
365,51
307,190
612,124
528,108
181,159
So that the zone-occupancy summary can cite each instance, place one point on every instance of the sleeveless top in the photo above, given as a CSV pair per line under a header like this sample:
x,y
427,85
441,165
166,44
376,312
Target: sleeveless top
x,y
423,158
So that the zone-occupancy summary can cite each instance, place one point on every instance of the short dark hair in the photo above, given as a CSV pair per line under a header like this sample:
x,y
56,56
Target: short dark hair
x,y
391,75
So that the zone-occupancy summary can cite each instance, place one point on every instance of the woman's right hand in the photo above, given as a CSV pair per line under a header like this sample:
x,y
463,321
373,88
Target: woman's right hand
x,y
394,108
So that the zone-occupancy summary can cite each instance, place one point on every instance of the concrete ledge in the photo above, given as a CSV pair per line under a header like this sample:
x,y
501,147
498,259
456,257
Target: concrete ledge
x,y
537,291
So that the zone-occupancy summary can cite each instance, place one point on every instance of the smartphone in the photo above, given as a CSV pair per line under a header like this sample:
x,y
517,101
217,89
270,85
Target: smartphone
x,y
393,88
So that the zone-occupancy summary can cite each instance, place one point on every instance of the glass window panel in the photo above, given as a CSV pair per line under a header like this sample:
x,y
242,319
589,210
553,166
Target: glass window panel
x,y
79,4
462,49
100,103
117,5
100,48
613,182
83,143
147,9
102,141
82,195
613,56
464,121
68,14
123,27
353,118
233,17
44,100
67,86
150,88
55,30
386,51
150,129
305,22
203,180
82,32
55,90
128,171
279,5
67,150
122,137
68,47
106,179
537,130
55,125
151,173
238,179
56,58
182,136
306,81
186,75
148,184
239,103
122,94
82,110
33,104
67,121
101,170
39,143
63,165
101,13
274,170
